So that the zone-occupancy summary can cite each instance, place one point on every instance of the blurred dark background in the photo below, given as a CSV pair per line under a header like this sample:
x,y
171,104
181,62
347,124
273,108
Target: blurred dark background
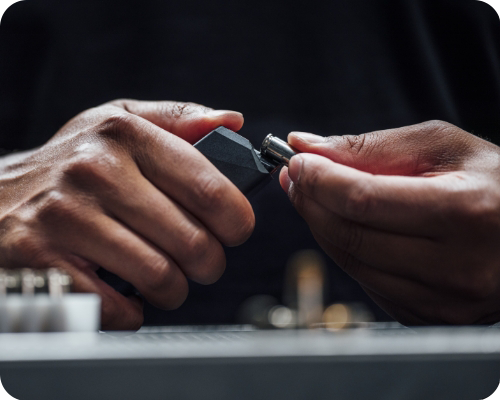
x,y
330,67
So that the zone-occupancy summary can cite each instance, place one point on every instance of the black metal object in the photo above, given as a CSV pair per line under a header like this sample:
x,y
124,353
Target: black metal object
x,y
237,159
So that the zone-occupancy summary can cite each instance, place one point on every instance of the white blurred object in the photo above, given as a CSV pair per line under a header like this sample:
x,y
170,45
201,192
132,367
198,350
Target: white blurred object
x,y
282,317
40,301
74,312
82,312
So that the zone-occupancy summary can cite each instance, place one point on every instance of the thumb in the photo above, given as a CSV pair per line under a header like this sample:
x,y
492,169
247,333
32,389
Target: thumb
x,y
411,150
189,121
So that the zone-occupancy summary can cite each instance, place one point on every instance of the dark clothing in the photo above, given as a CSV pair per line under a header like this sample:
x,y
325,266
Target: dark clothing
x,y
329,67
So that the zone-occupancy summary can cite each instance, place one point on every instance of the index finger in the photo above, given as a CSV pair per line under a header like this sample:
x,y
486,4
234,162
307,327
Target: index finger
x,y
408,205
190,121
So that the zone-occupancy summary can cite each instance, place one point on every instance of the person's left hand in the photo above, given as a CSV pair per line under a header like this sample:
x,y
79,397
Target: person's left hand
x,y
413,214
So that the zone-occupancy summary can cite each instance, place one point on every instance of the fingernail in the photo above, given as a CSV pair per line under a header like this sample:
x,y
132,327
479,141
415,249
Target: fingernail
x,y
220,113
285,180
308,137
294,168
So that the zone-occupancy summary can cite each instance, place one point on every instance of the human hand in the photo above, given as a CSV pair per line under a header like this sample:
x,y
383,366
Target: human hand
x,y
121,187
413,214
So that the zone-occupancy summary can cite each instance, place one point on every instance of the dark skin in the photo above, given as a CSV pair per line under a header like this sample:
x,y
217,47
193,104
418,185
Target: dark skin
x,y
413,214
121,187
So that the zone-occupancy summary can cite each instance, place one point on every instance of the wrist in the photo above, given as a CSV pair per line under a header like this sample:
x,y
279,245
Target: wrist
x,y
14,161
14,169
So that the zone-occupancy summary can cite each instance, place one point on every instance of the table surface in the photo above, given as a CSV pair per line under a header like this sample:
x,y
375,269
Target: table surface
x,y
386,362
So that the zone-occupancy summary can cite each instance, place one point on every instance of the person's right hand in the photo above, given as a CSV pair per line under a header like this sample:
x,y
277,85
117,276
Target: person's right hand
x,y
121,187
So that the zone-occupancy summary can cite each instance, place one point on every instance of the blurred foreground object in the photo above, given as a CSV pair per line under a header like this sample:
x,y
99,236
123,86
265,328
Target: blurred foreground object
x,y
344,316
40,301
305,293
304,288
304,296
256,311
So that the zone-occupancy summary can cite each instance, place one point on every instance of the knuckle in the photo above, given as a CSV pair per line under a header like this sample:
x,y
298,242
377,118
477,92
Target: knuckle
x,y
297,198
26,248
215,196
436,124
117,125
95,170
484,209
29,246
121,103
477,205
178,110
209,269
210,192
359,201
57,206
26,242
218,266
115,121
21,242
182,293
434,132
172,297
86,166
198,244
333,140
446,144
310,180
158,273
242,228
354,143
362,146
241,231
246,226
